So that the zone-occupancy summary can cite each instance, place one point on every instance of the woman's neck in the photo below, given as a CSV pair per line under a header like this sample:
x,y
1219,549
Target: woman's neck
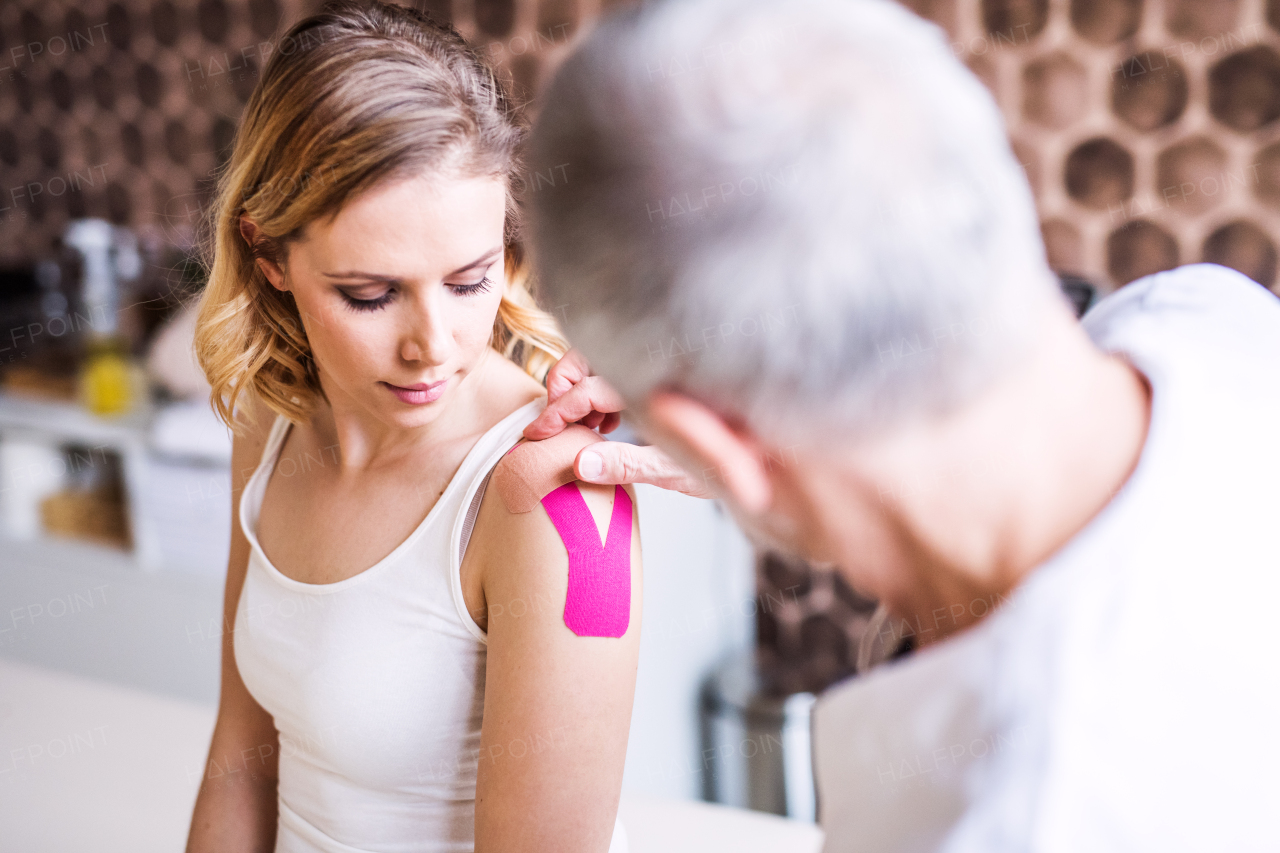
x,y
365,441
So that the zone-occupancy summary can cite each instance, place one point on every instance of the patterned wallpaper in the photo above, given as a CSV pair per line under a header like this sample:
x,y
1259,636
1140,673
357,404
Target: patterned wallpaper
x,y
1150,131
123,109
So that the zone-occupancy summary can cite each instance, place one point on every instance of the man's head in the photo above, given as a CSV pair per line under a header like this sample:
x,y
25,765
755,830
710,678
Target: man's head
x,y
804,219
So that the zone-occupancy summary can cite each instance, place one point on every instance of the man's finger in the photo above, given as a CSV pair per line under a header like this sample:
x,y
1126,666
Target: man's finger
x,y
591,394
622,463
571,369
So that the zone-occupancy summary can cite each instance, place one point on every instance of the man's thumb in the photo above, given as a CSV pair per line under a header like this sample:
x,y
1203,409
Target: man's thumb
x,y
618,462
590,466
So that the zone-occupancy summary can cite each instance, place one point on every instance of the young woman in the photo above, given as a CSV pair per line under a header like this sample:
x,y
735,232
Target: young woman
x,y
397,672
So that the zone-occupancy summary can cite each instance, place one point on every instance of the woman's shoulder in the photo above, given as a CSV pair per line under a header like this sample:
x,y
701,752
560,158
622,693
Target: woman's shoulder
x,y
506,385
519,545
255,421
525,558
532,470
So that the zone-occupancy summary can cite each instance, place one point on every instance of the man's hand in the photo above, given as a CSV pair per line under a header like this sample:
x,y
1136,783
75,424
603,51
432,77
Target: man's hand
x,y
575,396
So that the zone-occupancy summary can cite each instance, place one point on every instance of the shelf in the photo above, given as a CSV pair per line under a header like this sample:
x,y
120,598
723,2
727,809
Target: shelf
x,y
71,422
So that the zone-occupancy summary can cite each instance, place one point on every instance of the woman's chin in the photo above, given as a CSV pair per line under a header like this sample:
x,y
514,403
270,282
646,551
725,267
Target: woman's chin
x,y
399,415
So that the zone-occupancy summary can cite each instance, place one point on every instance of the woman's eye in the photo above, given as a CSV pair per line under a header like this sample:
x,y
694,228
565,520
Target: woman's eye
x,y
468,289
366,304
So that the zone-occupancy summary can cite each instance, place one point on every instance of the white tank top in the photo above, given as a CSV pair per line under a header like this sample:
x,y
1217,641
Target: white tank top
x,y
376,682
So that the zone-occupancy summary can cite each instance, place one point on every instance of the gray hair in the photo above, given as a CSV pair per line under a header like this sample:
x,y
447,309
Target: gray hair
x,y
806,215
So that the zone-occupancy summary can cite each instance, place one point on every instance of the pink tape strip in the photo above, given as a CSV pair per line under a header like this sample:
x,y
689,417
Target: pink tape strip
x,y
598,603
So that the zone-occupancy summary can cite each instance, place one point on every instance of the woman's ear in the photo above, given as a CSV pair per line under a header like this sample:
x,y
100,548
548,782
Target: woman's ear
x,y
729,459
275,275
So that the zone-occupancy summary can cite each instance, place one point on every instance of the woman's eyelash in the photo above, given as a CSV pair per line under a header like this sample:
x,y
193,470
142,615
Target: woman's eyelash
x,y
367,304
385,299
468,289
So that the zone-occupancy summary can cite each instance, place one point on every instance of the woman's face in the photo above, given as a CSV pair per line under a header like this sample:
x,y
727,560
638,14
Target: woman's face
x,y
398,293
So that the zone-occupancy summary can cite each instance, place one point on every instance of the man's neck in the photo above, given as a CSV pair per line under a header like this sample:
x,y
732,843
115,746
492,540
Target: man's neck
x,y
975,501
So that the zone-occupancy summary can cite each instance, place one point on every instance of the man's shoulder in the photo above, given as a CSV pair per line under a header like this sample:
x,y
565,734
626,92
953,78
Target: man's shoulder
x,y
1203,302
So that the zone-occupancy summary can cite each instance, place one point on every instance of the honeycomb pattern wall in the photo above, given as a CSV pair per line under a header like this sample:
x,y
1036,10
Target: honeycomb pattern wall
x,y
119,110
124,109
1149,131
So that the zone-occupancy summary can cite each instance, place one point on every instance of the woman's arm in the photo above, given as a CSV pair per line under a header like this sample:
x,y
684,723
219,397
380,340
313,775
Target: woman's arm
x,y
235,810
557,705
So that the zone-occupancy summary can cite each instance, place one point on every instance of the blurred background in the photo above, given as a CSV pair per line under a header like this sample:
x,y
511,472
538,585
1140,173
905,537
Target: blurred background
x,y
1149,132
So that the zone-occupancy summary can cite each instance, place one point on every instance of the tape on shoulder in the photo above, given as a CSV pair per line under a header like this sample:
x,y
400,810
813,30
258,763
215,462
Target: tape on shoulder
x,y
598,600
533,469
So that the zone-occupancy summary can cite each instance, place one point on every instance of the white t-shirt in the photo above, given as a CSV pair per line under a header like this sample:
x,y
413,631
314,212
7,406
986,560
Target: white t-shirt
x,y
1126,696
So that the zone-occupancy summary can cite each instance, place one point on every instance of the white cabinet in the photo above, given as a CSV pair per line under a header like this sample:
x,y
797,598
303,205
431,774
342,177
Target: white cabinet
x,y
177,508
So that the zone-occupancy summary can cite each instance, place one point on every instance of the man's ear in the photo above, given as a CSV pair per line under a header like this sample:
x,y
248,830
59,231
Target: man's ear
x,y
729,458
275,275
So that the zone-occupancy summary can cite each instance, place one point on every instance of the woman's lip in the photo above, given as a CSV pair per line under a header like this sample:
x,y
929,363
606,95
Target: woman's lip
x,y
418,394
421,386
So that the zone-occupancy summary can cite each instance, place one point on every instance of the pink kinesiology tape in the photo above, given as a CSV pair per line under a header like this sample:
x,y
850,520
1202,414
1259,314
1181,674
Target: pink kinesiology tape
x,y
598,603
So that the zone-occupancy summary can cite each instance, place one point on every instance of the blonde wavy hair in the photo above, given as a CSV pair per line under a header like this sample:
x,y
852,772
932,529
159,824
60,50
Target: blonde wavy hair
x,y
359,94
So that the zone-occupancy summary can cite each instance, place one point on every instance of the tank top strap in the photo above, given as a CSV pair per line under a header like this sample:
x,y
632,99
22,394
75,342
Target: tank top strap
x,y
492,446
469,518
275,438
255,486
488,452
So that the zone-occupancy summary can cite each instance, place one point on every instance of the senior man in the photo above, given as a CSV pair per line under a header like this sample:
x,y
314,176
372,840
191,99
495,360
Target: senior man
x,y
794,239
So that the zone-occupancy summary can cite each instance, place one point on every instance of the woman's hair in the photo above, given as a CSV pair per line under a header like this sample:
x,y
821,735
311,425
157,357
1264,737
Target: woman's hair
x,y
360,94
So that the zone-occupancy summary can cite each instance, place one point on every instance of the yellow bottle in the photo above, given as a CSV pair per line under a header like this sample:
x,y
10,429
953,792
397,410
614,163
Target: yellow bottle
x,y
106,378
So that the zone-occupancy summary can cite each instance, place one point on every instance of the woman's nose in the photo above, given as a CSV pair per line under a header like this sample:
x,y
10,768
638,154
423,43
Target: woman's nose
x,y
426,335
